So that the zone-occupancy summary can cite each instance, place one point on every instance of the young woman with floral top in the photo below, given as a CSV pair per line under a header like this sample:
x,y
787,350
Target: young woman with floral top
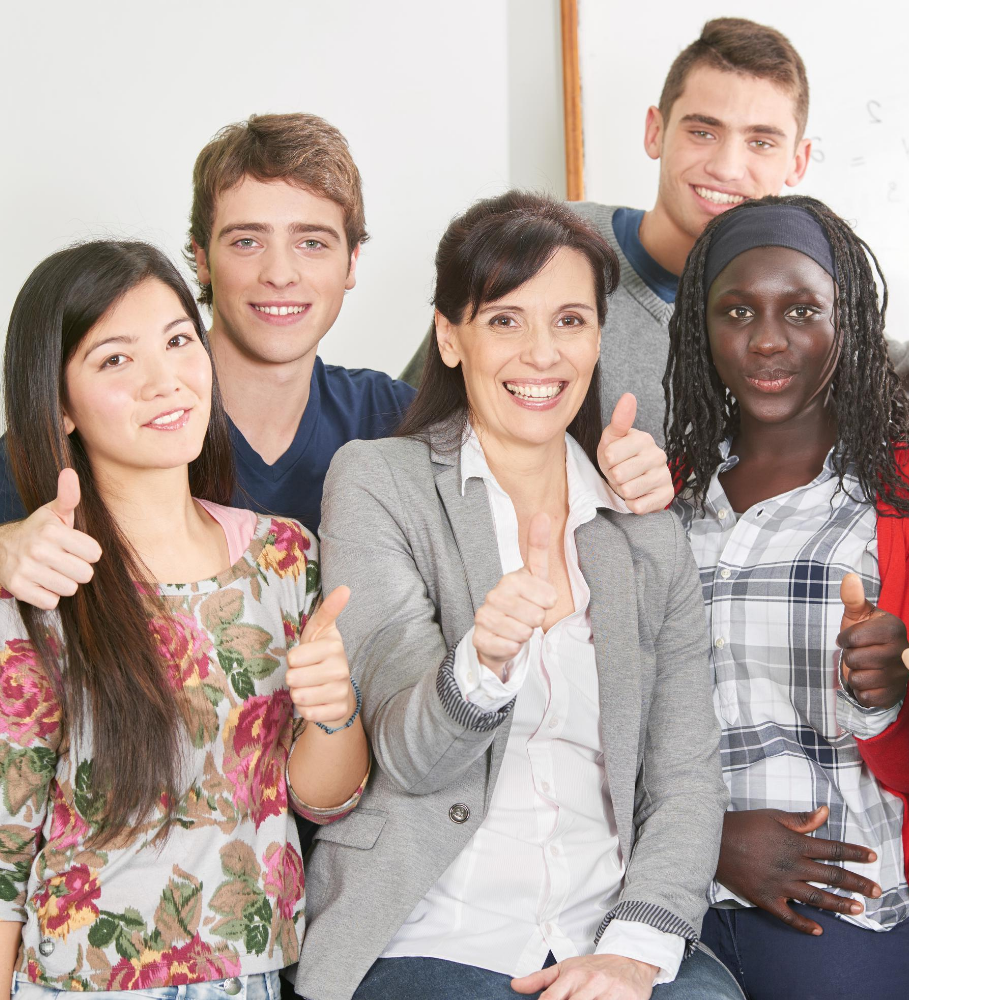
x,y
149,752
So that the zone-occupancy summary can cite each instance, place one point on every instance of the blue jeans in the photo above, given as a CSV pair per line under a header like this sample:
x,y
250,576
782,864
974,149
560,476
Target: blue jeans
x,y
260,986
701,977
773,961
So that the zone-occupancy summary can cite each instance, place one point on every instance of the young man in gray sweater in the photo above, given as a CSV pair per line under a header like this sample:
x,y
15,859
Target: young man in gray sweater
x,y
729,127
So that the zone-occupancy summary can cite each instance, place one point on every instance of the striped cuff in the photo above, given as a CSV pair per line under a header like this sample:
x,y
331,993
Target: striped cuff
x,y
327,815
465,713
656,916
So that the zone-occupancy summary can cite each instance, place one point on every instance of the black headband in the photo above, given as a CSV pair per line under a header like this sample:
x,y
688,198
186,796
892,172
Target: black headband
x,y
767,226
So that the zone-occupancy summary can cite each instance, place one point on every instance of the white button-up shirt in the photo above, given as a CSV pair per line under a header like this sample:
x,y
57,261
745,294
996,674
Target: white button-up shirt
x,y
545,866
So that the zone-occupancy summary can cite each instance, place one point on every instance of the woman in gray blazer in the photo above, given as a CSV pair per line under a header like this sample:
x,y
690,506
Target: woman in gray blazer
x,y
546,799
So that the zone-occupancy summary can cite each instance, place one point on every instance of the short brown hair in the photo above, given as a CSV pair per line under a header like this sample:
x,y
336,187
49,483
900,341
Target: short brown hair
x,y
736,45
298,148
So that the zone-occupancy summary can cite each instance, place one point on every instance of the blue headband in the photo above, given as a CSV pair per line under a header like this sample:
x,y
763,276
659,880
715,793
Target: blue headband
x,y
767,226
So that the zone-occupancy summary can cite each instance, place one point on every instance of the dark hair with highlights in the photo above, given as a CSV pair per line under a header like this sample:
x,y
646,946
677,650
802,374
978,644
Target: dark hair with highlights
x,y
868,397
487,252
106,667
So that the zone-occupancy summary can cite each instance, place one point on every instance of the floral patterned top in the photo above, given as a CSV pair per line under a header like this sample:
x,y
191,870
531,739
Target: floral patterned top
x,y
224,895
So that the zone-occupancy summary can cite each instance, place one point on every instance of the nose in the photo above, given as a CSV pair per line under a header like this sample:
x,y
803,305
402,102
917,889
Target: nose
x,y
727,164
540,349
768,338
159,378
278,268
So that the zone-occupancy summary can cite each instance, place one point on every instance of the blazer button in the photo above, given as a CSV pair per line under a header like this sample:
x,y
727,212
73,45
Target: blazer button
x,y
458,813
46,946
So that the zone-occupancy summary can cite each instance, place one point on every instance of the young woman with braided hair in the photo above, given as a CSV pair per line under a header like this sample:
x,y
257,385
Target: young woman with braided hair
x,y
790,428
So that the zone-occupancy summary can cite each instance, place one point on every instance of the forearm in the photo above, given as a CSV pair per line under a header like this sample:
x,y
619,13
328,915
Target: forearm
x,y
326,769
10,943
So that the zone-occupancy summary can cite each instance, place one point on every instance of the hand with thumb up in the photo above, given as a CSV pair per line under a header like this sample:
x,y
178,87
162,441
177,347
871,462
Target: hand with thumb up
x,y
318,675
633,463
872,643
516,606
43,557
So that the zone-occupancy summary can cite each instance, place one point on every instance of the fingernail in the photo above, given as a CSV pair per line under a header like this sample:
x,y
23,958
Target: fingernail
x,y
856,908
817,931
876,892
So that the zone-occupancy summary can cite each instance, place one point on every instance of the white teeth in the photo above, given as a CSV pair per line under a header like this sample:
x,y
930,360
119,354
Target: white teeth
x,y
534,391
280,310
168,418
718,198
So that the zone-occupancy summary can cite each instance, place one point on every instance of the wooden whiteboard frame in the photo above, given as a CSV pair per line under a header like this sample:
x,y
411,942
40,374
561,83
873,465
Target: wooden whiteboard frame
x,y
572,113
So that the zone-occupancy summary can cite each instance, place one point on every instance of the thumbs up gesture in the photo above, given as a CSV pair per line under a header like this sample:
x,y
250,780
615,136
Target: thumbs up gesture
x,y
632,463
516,606
43,557
873,641
318,675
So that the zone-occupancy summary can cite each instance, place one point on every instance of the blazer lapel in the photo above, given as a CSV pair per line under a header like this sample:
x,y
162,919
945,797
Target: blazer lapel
x,y
472,525
606,564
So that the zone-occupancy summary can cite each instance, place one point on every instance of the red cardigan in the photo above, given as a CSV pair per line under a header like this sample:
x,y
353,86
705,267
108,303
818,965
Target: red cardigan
x,y
888,754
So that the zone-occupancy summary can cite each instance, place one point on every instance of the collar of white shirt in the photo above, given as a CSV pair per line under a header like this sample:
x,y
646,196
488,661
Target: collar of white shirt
x,y
587,488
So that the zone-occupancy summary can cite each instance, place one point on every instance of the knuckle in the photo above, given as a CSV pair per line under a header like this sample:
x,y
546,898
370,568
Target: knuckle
x,y
835,876
814,898
836,850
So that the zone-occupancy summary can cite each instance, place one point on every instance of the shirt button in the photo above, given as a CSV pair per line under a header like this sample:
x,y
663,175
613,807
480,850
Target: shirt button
x,y
458,813
470,677
723,514
725,574
720,642
553,722
232,986
545,786
547,927
554,849
47,946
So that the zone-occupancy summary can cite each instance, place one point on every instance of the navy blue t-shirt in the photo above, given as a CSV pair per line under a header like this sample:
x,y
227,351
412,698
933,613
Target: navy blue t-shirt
x,y
344,404
625,223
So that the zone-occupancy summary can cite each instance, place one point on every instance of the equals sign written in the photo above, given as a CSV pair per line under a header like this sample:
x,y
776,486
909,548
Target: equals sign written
x,y
857,161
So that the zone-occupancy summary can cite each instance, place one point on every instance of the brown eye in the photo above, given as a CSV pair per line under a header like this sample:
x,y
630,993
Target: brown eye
x,y
739,312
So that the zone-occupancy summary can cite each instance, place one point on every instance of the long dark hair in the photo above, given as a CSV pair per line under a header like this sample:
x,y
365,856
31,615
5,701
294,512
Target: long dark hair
x,y
112,673
868,397
487,252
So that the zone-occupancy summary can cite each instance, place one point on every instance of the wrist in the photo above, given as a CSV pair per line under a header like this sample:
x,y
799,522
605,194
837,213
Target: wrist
x,y
345,722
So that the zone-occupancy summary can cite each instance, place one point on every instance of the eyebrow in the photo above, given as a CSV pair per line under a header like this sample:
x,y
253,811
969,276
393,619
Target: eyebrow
x,y
750,130
126,339
265,229
500,307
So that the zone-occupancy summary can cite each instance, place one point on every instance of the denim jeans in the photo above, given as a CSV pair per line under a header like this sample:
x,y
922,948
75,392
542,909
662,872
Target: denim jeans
x,y
701,977
773,961
260,986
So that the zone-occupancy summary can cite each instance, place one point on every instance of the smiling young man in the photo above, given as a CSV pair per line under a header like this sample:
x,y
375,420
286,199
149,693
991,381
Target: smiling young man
x,y
729,127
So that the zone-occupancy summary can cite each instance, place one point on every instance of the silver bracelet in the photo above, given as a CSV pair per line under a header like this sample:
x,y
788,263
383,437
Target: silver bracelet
x,y
350,721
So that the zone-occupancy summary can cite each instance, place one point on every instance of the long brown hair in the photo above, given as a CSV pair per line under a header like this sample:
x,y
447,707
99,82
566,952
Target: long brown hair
x,y
487,252
111,671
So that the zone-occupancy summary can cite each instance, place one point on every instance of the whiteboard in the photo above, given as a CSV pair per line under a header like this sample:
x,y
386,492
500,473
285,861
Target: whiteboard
x,y
857,65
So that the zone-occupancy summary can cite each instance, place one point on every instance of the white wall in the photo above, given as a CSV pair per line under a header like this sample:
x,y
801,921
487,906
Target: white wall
x,y
856,56
114,99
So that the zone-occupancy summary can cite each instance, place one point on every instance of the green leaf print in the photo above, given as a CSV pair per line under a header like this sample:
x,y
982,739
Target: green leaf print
x,y
261,910
8,891
222,608
231,930
124,944
103,932
255,940
312,577
243,685
87,800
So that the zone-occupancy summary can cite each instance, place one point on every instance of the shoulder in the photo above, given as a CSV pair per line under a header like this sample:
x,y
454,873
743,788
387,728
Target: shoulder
x,y
652,536
381,464
364,383
287,541
593,211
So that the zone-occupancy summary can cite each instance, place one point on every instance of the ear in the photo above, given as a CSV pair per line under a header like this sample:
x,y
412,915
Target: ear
x,y
653,139
352,267
446,340
68,425
201,263
798,168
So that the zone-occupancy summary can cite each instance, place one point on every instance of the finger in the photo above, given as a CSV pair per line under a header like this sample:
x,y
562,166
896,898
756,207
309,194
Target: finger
x,y
803,822
56,538
37,597
852,596
531,588
333,670
491,647
838,850
501,625
784,912
335,698
539,533
67,496
657,499
811,896
518,607
906,657
536,980
880,658
642,485
52,580
316,651
325,616
841,878
880,629
622,417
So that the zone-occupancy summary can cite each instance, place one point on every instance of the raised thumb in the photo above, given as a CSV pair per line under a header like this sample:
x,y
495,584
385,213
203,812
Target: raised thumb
x,y
623,416
852,596
67,497
325,616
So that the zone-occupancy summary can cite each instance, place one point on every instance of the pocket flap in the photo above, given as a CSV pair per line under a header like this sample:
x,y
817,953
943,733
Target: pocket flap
x,y
359,828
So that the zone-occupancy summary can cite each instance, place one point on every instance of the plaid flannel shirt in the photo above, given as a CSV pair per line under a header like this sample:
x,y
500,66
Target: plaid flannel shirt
x,y
771,582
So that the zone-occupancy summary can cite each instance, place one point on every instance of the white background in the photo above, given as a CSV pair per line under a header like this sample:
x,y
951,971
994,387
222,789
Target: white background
x,y
856,56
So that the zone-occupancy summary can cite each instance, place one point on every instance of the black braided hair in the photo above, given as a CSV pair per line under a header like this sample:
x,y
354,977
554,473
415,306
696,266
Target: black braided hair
x,y
869,400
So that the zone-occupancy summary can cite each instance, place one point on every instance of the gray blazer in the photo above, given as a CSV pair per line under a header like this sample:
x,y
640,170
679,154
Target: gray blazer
x,y
419,558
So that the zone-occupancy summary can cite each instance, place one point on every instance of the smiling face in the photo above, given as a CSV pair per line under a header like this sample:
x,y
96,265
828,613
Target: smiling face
x,y
528,358
771,332
138,387
730,137
279,264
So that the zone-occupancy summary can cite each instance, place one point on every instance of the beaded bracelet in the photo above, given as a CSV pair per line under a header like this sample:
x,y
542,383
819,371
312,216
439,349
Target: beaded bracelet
x,y
350,721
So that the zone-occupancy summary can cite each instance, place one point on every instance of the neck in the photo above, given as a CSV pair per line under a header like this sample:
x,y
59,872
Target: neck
x,y
663,240
533,476
808,438
265,401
